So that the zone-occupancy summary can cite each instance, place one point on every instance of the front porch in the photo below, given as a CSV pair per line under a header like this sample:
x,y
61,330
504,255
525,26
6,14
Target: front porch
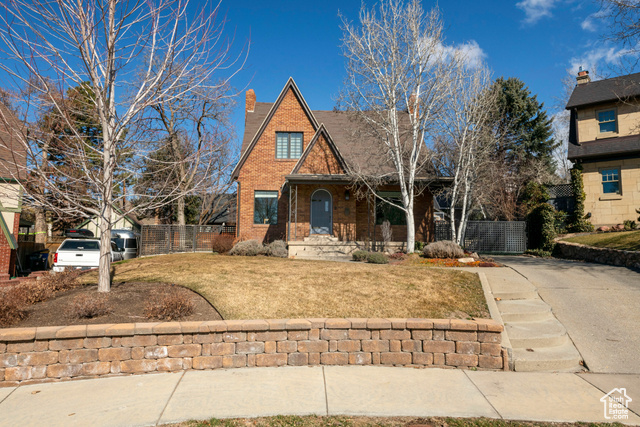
x,y
325,218
319,247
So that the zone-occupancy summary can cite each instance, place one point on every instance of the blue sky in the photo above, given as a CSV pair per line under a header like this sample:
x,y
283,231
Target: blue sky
x,y
534,40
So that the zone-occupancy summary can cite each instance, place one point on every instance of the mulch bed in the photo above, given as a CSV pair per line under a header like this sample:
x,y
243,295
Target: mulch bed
x,y
127,301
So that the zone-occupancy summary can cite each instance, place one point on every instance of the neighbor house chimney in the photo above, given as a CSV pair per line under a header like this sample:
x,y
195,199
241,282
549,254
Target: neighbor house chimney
x,y
250,102
583,77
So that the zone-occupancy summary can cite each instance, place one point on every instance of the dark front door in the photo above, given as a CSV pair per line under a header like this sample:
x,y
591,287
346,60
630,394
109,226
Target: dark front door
x,y
321,211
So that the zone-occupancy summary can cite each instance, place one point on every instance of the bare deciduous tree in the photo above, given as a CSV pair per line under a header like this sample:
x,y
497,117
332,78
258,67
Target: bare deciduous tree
x,y
134,55
466,142
398,72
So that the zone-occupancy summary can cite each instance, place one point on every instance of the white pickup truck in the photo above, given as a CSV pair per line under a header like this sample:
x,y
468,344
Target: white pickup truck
x,y
82,254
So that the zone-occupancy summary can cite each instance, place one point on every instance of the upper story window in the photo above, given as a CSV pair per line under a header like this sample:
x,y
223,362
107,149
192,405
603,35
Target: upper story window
x,y
288,145
610,181
607,121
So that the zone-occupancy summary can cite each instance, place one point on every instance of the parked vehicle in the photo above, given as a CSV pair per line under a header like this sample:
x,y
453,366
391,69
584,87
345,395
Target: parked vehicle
x,y
127,240
78,233
82,254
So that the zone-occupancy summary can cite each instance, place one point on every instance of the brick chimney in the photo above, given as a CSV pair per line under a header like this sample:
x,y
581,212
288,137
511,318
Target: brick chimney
x,y
583,77
412,101
250,102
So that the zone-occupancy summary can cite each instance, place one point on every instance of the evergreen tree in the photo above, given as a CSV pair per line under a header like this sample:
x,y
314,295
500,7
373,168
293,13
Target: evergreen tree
x,y
527,130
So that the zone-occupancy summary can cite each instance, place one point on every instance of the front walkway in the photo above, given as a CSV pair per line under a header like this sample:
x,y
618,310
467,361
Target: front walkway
x,y
372,391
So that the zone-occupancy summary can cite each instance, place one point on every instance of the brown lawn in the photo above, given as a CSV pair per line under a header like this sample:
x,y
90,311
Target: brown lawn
x,y
625,240
261,287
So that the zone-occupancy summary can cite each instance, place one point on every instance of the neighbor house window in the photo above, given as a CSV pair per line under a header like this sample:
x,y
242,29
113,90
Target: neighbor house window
x,y
387,212
610,181
265,207
288,145
607,121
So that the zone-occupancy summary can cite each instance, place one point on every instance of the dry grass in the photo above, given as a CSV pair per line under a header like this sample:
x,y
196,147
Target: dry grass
x,y
623,240
261,287
359,421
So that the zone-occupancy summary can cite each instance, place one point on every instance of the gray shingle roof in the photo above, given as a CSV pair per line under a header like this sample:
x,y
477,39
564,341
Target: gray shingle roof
x,y
348,134
613,89
600,148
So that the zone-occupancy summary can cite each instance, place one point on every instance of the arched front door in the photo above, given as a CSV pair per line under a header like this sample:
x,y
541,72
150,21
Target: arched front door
x,y
321,212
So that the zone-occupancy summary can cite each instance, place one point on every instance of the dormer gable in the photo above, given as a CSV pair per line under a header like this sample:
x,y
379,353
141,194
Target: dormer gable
x,y
321,156
290,89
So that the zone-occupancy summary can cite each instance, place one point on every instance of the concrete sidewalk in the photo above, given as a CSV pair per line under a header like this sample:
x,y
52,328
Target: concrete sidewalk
x,y
346,390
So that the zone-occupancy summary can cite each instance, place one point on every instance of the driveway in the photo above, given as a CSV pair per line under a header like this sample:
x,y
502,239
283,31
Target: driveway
x,y
599,305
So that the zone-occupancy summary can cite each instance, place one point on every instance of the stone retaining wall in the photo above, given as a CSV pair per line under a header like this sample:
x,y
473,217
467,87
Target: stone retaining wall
x,y
600,255
52,353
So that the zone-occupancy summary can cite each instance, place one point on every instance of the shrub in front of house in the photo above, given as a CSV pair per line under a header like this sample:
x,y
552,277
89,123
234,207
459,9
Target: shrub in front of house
x,y
248,248
629,225
443,249
174,304
89,306
377,258
277,248
359,255
222,243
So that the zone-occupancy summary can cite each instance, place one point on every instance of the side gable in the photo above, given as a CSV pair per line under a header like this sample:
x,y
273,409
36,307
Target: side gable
x,y
321,157
290,86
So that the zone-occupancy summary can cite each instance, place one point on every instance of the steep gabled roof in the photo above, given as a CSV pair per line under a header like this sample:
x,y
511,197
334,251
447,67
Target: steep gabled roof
x,y
322,131
246,151
614,89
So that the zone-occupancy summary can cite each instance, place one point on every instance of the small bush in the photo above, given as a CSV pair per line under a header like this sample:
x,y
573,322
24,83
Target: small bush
x,y
418,246
60,281
248,248
359,255
222,243
277,248
538,252
541,227
629,225
170,305
377,258
88,306
443,249
398,256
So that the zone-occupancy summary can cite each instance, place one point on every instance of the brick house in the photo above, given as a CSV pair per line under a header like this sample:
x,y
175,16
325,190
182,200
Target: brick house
x,y
292,181
12,164
604,137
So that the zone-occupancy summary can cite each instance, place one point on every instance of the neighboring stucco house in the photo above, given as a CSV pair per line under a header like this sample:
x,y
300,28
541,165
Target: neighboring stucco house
x,y
127,222
12,170
293,182
604,137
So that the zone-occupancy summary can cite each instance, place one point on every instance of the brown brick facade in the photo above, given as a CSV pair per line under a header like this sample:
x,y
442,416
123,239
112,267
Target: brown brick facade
x,y
7,255
260,171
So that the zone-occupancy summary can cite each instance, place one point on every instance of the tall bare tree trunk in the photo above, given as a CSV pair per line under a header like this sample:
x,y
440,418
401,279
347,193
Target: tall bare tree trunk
x,y
41,226
180,211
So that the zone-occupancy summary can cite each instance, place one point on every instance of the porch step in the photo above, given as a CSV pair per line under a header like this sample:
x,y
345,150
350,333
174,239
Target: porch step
x,y
319,238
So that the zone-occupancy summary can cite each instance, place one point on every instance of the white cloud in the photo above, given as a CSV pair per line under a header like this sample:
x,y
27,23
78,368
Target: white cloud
x,y
536,9
597,58
588,24
471,52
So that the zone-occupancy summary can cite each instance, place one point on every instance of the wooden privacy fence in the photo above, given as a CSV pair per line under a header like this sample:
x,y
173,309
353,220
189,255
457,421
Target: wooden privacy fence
x,y
489,236
166,239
